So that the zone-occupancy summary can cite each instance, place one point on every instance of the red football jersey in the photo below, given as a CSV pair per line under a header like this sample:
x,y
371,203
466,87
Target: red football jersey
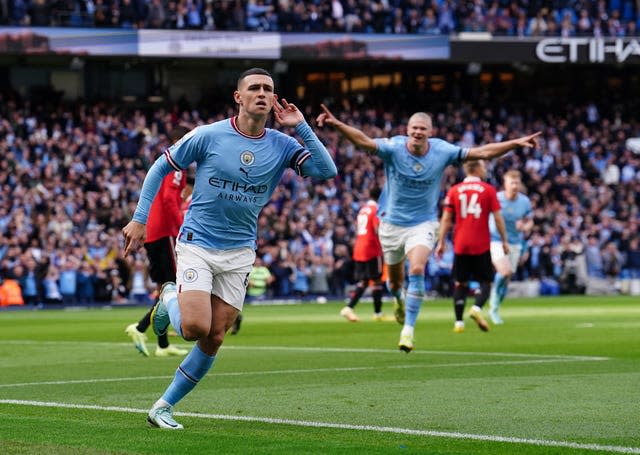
x,y
165,216
367,244
472,201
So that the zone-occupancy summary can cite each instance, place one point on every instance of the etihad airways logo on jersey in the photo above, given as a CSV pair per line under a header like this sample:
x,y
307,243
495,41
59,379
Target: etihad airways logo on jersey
x,y
238,191
239,187
408,182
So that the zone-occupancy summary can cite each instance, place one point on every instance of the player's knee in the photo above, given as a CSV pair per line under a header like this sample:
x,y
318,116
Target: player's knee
x,y
195,331
216,339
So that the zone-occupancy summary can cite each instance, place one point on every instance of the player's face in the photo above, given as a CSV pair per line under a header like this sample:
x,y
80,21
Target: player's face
x,y
511,185
418,130
255,94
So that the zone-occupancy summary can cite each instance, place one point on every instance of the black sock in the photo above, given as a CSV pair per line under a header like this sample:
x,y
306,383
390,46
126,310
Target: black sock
x,y
357,293
459,298
145,322
163,341
483,295
377,299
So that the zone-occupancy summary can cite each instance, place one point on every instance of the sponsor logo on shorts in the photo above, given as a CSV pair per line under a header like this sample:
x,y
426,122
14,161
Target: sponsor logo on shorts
x,y
190,275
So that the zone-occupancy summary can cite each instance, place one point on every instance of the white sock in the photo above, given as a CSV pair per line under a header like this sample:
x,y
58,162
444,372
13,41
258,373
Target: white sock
x,y
160,404
407,330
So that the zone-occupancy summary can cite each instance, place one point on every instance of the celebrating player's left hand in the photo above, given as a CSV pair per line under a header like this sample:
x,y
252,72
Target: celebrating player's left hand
x,y
287,114
529,141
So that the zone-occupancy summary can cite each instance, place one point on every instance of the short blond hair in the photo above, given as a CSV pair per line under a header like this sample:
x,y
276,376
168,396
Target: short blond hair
x,y
471,167
423,116
513,174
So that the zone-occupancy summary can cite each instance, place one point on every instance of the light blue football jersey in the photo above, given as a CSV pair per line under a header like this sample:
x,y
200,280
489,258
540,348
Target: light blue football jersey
x,y
512,211
412,188
235,177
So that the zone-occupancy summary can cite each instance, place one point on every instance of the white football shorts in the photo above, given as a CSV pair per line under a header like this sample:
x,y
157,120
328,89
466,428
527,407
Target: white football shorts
x,y
223,273
397,241
515,250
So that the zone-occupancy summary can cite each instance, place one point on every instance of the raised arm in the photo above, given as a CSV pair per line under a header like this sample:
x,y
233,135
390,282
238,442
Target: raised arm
x,y
496,149
354,135
321,164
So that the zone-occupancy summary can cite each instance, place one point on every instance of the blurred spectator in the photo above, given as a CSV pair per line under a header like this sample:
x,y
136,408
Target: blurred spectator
x,y
302,275
612,260
69,280
140,287
602,18
51,288
10,292
260,279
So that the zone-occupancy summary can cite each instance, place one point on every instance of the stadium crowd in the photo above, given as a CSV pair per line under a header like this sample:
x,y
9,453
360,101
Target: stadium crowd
x,y
71,175
499,17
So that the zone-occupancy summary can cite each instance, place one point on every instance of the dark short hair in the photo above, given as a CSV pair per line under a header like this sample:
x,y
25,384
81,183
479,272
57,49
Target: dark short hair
x,y
374,193
177,133
252,71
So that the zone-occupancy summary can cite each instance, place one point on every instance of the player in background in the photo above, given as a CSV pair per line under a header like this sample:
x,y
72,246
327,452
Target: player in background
x,y
239,163
367,259
470,203
414,165
163,225
517,214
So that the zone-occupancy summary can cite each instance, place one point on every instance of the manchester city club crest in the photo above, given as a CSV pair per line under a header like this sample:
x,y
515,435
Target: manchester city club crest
x,y
190,275
247,158
417,167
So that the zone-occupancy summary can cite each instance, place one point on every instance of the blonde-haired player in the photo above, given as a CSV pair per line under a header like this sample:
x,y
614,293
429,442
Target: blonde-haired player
x,y
516,211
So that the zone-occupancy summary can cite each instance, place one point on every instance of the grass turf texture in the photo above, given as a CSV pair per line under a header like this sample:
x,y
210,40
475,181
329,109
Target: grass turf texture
x,y
561,376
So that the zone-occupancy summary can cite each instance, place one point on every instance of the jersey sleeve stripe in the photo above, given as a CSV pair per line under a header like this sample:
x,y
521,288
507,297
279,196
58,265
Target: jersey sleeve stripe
x,y
171,162
294,159
301,160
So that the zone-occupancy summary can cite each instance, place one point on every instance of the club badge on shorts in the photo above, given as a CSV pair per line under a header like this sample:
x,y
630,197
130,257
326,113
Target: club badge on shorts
x,y
190,275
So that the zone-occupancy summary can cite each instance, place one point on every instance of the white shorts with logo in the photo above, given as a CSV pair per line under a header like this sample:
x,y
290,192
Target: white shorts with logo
x,y
515,249
397,241
223,273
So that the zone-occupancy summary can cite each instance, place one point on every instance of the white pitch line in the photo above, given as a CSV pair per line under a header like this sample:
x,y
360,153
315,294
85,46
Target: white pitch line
x,y
297,371
344,426
329,349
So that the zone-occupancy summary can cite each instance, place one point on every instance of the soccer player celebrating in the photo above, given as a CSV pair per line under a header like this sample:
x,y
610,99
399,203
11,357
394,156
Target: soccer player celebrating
x,y
471,202
367,259
414,165
239,163
516,211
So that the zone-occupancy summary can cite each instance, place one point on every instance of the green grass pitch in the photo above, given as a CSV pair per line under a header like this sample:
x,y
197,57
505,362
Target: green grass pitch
x,y
562,376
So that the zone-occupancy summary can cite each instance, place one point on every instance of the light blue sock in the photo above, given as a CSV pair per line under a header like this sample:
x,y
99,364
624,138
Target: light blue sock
x,y
174,313
193,368
494,299
502,292
415,295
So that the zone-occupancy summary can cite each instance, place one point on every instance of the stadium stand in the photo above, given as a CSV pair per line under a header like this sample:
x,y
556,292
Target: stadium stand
x,y
499,17
72,173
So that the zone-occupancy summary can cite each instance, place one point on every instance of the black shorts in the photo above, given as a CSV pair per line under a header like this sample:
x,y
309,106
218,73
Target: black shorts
x,y
162,259
368,270
477,267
